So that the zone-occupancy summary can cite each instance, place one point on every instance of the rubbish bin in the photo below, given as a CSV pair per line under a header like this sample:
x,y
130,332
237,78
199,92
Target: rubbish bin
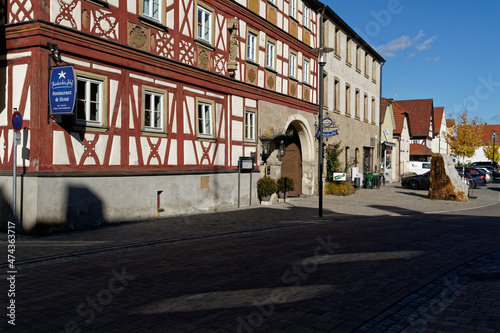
x,y
357,183
368,181
376,180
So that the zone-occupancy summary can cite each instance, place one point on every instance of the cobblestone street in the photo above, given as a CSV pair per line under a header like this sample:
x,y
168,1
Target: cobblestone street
x,y
385,260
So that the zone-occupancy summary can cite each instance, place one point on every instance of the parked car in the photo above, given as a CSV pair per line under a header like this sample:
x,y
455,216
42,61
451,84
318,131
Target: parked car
x,y
488,164
477,173
417,182
471,180
487,173
419,167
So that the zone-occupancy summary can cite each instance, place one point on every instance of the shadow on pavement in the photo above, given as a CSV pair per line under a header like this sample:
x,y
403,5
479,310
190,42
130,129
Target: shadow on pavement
x,y
398,210
420,195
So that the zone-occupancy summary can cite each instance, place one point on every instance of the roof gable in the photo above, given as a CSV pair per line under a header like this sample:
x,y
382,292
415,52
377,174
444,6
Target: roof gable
x,y
420,113
438,118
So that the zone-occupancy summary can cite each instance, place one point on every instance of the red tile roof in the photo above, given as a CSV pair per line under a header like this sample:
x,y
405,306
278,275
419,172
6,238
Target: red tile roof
x,y
383,108
438,118
399,118
419,150
488,133
420,112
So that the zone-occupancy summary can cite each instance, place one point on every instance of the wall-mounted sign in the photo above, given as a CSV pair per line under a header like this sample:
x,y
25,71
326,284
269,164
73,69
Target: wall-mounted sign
x,y
62,90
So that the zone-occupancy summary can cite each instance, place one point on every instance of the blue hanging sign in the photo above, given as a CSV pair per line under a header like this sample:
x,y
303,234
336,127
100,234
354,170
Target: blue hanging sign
x,y
62,90
332,133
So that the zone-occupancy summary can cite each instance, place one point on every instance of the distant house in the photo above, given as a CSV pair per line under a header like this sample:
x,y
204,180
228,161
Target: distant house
x,y
421,115
488,131
387,141
450,125
439,143
401,136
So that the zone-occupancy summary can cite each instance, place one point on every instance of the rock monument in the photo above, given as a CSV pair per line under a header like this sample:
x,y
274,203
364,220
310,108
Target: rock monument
x,y
446,184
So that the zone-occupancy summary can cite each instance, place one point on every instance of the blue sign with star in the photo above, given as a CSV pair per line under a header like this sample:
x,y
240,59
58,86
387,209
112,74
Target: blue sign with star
x,y
62,90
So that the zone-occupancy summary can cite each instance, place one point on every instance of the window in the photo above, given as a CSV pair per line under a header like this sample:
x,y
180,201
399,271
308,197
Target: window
x,y
305,71
367,63
153,108
358,58
347,99
307,18
270,54
356,105
337,41
336,88
204,30
293,8
151,9
348,51
89,103
365,108
250,125
252,47
293,65
374,70
373,110
205,119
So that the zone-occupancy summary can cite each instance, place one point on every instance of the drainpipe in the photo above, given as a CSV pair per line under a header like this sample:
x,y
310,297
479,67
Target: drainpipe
x,y
380,127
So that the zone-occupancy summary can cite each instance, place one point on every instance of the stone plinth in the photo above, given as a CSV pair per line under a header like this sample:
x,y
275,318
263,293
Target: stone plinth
x,y
446,184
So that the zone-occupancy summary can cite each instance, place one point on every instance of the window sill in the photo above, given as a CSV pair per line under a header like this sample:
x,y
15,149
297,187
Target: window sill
x,y
348,64
146,132
358,70
336,111
250,142
337,56
152,23
272,70
100,3
251,62
84,128
357,118
294,79
205,44
348,115
374,81
206,139
366,75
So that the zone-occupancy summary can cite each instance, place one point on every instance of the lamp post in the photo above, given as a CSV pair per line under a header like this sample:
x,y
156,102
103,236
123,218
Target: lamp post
x,y
494,137
321,51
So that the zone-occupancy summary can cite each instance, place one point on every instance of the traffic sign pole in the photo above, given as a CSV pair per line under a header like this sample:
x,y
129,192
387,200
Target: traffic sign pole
x,y
17,123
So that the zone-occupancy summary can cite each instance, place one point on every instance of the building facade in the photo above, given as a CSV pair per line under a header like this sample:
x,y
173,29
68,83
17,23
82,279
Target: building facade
x,y
352,98
170,94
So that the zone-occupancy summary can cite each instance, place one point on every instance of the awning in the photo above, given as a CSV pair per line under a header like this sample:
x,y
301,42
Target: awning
x,y
389,144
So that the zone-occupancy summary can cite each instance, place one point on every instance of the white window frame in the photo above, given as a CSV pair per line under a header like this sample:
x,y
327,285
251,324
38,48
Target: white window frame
x,y
203,25
293,65
151,93
204,117
271,54
305,71
293,9
250,122
148,10
307,17
252,46
88,102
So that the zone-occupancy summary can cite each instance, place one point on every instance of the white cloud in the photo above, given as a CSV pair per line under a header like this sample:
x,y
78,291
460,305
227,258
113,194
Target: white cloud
x,y
435,59
399,44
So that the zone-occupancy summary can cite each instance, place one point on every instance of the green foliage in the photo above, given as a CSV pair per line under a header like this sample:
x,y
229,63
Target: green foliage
x,y
286,184
266,186
339,188
332,160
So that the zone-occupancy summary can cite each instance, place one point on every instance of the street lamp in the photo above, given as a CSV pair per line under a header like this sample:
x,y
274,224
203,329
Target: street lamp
x,y
321,51
494,137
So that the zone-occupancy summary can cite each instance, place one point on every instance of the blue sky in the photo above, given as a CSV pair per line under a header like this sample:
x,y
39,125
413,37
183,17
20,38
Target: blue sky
x,y
447,50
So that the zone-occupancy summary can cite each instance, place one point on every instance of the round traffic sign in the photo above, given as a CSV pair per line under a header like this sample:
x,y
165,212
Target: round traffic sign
x,y
17,121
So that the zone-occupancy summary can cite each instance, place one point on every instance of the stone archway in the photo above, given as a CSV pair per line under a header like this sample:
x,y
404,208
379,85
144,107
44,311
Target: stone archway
x,y
299,159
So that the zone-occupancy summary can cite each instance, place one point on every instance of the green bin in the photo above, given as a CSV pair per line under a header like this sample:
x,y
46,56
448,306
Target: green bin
x,y
368,180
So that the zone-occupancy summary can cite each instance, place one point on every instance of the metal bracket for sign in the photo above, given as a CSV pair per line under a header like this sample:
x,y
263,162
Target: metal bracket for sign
x,y
245,164
56,56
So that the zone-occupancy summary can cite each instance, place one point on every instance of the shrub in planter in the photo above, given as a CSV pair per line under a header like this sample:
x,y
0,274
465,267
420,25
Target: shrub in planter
x,y
286,184
339,188
266,186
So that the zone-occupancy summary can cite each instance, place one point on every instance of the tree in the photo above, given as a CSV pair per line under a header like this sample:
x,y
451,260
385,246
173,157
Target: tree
x,y
488,151
467,135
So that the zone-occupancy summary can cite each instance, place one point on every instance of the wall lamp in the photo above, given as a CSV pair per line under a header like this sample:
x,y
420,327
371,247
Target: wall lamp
x,y
282,149
266,149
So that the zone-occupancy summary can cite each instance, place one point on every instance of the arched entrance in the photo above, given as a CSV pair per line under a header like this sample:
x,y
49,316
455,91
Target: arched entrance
x,y
292,160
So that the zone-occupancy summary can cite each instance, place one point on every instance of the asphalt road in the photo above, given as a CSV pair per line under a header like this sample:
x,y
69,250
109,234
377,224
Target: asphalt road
x,y
326,276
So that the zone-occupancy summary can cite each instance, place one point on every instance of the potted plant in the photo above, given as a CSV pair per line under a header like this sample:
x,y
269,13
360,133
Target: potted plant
x,y
285,185
266,186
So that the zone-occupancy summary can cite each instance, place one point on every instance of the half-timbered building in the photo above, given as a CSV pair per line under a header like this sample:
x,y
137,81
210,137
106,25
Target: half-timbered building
x,y
170,94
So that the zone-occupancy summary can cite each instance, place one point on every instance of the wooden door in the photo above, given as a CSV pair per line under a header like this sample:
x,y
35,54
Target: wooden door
x,y
292,167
